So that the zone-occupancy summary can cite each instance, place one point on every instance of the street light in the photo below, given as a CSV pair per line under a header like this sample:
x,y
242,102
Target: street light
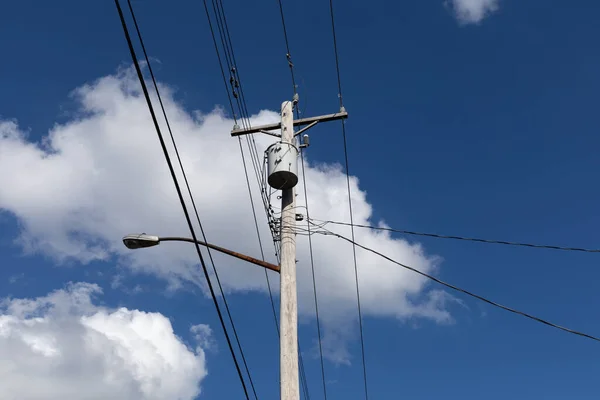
x,y
141,240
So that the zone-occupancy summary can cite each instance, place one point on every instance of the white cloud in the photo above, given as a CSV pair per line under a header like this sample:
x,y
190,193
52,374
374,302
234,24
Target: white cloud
x,y
103,175
472,11
62,346
204,337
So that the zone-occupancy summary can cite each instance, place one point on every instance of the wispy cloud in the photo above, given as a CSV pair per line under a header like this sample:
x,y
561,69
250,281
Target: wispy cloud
x,y
16,277
472,11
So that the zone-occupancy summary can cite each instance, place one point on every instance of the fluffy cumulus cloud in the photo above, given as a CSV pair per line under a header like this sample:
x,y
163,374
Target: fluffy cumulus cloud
x,y
62,346
472,11
88,182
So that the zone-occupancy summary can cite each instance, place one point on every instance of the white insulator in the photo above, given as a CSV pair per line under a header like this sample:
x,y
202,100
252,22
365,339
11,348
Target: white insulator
x,y
282,162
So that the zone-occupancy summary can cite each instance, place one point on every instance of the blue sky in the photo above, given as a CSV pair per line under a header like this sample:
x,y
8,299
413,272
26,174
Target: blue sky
x,y
481,129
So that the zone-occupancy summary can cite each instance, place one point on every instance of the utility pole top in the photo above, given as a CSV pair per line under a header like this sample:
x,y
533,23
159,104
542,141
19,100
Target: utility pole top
x,y
282,167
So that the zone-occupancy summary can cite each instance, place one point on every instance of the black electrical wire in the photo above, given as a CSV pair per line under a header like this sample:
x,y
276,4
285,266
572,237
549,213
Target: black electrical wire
x,y
244,163
223,29
220,60
362,340
287,46
232,64
226,42
139,34
179,193
230,58
339,79
262,253
456,288
335,50
312,266
488,241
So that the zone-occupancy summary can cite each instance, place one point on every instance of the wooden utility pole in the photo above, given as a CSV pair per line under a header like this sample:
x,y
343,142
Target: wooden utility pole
x,y
282,159
288,314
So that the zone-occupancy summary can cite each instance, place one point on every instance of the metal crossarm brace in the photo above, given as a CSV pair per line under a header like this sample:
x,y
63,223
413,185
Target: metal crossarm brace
x,y
298,122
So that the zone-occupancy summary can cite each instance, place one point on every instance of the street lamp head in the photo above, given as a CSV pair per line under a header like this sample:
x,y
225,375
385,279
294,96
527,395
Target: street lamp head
x,y
140,241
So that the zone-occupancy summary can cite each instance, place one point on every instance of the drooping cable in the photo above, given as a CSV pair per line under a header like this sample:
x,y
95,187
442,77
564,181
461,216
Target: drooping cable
x,y
312,266
468,239
236,81
335,50
288,54
243,162
221,22
179,193
458,289
339,79
147,59
259,239
212,31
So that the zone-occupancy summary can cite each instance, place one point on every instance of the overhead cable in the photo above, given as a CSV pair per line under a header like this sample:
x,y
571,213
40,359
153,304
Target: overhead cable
x,y
243,161
179,193
312,266
235,81
288,53
458,289
339,80
469,239
139,34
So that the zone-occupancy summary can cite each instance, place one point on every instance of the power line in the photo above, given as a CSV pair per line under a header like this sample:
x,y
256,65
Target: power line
x,y
229,56
488,241
237,81
242,155
220,60
227,45
335,50
236,84
241,99
312,266
262,253
456,288
139,34
303,378
362,341
288,54
179,193
339,80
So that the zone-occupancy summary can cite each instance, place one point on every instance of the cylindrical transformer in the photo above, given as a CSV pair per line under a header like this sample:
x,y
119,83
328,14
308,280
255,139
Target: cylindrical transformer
x,y
282,161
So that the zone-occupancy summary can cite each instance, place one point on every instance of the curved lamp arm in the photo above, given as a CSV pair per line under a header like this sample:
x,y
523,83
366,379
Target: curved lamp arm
x,y
139,241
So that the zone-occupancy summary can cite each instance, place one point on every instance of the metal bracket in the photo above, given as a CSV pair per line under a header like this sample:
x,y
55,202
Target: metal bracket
x,y
306,128
270,133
